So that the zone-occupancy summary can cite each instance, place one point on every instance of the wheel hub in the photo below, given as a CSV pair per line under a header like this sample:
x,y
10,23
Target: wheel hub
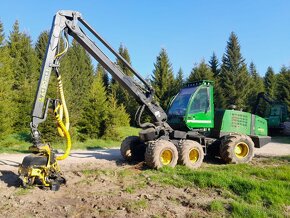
x,y
193,155
241,150
166,157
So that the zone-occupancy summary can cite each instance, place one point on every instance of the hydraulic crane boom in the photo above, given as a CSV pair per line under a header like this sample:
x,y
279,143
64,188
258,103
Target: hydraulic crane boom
x,y
42,166
67,21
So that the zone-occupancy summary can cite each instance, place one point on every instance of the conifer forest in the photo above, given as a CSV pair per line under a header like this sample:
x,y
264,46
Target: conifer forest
x,y
98,104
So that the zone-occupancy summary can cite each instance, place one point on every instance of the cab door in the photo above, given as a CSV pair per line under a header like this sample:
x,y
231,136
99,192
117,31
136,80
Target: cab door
x,y
200,110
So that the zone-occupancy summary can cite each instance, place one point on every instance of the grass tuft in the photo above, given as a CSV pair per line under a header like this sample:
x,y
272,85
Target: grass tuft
x,y
217,206
264,191
22,191
136,205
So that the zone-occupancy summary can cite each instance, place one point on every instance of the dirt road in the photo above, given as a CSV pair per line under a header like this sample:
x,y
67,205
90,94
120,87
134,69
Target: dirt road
x,y
274,149
106,194
100,156
111,157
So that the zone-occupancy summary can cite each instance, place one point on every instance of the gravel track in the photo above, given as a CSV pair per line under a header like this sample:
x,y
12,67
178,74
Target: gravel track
x,y
113,156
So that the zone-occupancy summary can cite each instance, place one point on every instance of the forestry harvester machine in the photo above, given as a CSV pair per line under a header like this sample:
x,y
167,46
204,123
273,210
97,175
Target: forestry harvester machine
x,y
275,112
182,135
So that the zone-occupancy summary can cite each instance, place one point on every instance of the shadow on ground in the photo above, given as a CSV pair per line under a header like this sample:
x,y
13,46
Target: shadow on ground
x,y
9,163
10,178
279,158
114,155
281,139
102,154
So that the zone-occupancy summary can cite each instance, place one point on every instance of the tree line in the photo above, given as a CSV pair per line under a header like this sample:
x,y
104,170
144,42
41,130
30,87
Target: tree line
x,y
98,105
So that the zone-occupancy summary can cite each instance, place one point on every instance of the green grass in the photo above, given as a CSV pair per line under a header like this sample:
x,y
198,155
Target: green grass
x,y
259,189
130,181
249,190
127,131
216,206
19,143
136,205
21,191
14,143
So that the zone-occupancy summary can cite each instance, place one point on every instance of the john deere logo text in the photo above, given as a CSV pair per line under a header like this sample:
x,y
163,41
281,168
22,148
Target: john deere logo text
x,y
43,85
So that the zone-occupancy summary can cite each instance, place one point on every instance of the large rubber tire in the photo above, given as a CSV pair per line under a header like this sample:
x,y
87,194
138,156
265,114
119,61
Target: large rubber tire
x,y
132,149
190,154
286,130
161,153
237,149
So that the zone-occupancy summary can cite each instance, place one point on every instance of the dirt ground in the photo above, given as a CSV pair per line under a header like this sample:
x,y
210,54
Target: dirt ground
x,y
104,194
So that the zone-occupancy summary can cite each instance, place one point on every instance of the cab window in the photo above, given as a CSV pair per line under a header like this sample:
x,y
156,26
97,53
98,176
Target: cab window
x,y
179,104
200,103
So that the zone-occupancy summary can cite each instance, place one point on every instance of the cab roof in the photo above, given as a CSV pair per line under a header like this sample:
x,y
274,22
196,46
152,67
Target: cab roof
x,y
200,82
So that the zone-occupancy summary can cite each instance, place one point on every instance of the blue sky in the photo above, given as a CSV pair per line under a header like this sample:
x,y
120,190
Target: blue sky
x,y
190,30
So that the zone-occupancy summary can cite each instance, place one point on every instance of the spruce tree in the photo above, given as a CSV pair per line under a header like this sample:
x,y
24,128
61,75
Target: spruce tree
x,y
179,81
41,44
123,51
106,80
122,95
256,86
203,72
270,82
105,77
200,72
7,112
219,99
163,79
25,72
77,73
234,77
2,36
95,112
14,44
283,86
117,117
214,65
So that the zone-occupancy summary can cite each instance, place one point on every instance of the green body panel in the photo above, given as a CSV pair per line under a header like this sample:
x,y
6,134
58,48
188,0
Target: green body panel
x,y
260,126
227,121
236,121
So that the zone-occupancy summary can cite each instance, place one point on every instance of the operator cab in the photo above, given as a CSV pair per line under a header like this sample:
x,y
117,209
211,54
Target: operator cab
x,y
278,114
192,107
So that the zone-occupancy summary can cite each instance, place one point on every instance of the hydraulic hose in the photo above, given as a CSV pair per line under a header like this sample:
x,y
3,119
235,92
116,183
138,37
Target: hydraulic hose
x,y
63,108
61,54
66,134
138,116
